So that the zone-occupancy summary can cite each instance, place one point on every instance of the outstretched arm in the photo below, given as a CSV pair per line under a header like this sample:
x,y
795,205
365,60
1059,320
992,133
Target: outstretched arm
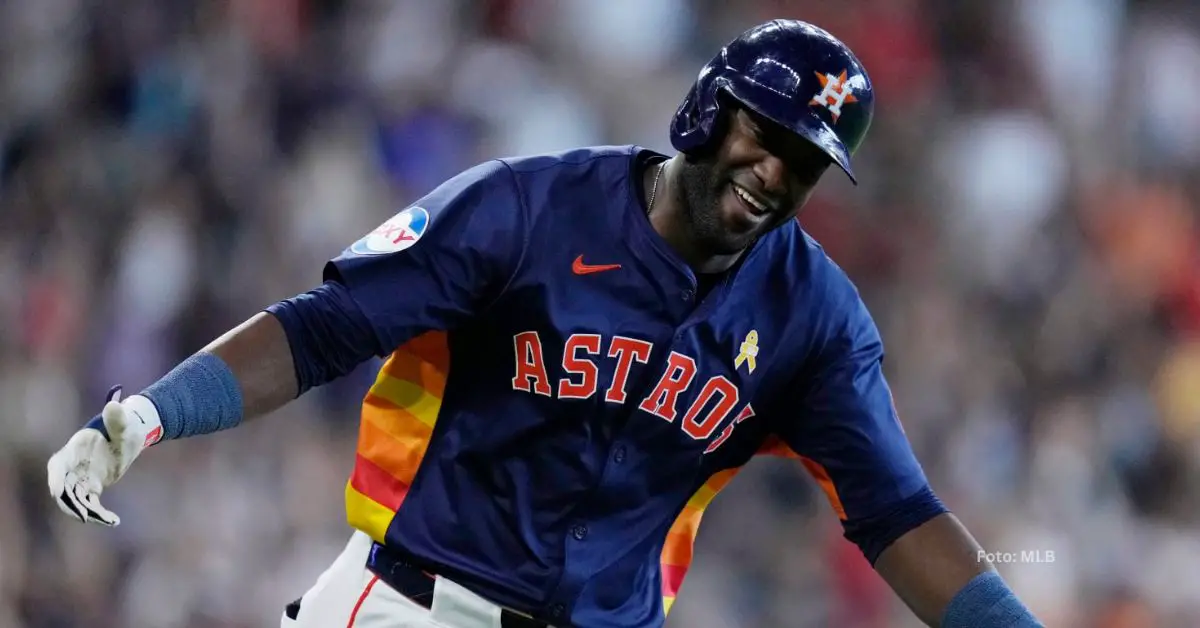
x,y
931,564
260,365
846,430
259,358
431,266
247,372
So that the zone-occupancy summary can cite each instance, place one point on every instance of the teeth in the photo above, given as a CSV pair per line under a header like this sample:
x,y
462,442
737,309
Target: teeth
x,y
755,203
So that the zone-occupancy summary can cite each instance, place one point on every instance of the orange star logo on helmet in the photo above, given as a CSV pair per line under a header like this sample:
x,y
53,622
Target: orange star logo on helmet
x,y
835,93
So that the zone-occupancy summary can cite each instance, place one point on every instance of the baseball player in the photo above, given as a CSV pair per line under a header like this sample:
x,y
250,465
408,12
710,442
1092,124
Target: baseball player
x,y
583,349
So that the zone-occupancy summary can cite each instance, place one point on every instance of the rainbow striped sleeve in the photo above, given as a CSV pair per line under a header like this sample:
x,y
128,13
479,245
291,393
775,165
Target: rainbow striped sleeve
x,y
398,415
774,446
677,550
681,539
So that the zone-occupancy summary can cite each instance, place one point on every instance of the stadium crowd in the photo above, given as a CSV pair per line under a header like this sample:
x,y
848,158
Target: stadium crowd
x,y
1025,233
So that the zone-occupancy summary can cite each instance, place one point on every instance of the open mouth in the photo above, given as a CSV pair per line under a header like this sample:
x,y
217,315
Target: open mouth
x,y
752,203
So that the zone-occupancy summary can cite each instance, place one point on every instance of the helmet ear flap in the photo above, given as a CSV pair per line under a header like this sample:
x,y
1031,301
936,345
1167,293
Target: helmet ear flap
x,y
726,106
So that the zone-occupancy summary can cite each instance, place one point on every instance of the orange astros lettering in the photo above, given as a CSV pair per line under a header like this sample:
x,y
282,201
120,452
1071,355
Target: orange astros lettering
x,y
531,368
625,350
574,365
584,364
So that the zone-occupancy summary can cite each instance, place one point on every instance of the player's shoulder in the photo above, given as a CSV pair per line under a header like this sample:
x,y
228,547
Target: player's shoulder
x,y
530,178
522,190
816,282
809,264
589,181
571,173
572,159
611,159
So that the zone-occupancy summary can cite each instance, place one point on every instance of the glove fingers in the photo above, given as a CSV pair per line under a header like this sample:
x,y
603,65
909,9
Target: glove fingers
x,y
66,504
77,474
57,477
69,504
96,513
78,501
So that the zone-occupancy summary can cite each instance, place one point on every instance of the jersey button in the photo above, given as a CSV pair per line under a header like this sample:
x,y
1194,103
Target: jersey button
x,y
557,610
579,532
619,454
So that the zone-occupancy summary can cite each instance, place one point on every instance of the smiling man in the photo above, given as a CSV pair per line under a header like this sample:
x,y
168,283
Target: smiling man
x,y
584,348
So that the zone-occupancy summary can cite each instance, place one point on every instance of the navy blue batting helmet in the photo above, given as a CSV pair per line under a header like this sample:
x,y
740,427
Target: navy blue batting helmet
x,y
795,74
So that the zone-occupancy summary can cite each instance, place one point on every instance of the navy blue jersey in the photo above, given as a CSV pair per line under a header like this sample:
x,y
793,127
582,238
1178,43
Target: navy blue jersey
x,y
560,405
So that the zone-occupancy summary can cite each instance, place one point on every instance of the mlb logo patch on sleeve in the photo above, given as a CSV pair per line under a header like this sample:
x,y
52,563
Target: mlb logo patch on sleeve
x,y
398,233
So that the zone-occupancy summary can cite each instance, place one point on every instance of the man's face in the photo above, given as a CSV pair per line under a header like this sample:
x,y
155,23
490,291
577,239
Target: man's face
x,y
757,179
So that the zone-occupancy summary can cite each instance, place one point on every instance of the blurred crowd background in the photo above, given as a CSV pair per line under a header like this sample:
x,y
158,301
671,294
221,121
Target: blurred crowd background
x,y
1025,233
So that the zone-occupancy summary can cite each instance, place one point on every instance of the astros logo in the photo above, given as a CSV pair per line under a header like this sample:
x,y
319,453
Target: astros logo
x,y
398,233
835,92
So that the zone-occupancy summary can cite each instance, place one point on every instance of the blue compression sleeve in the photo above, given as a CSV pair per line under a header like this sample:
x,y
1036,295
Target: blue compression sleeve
x,y
987,602
328,333
328,336
200,396
874,535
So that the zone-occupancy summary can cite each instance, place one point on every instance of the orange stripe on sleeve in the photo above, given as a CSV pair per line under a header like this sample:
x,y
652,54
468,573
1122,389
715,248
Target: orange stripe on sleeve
x,y
397,451
398,415
688,520
826,483
706,493
431,347
389,392
377,484
394,418
408,367
678,548
774,446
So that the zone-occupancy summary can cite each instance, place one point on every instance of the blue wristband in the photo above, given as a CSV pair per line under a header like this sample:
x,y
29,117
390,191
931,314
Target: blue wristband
x,y
97,423
200,396
987,602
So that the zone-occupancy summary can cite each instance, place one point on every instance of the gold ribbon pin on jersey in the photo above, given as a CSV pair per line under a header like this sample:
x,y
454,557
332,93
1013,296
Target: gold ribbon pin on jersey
x,y
748,352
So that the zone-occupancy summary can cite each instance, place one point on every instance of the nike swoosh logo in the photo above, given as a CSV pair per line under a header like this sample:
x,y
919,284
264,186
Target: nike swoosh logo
x,y
579,268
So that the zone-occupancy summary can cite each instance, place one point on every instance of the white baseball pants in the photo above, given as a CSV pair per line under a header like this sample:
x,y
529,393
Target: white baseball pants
x,y
349,595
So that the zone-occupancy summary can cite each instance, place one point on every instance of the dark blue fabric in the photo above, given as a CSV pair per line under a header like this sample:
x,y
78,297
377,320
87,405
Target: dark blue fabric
x,y
840,417
97,423
329,336
438,263
874,535
590,394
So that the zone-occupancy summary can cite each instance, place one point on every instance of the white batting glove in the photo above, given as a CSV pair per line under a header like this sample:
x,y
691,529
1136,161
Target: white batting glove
x,y
90,462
